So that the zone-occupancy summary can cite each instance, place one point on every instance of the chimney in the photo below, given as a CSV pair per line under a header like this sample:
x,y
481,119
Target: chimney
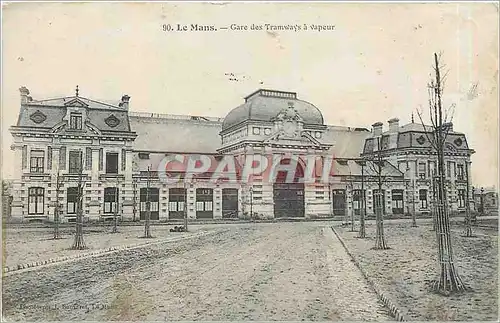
x,y
124,102
377,128
393,125
24,94
448,126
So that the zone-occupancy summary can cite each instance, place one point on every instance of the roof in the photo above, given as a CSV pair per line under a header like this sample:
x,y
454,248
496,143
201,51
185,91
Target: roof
x,y
156,134
46,114
264,105
347,142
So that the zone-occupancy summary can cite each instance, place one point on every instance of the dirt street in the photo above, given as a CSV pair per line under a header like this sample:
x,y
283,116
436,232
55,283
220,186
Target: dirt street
x,y
276,271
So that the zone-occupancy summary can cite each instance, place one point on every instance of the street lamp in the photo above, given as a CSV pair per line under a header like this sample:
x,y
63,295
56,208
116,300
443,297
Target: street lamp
x,y
482,201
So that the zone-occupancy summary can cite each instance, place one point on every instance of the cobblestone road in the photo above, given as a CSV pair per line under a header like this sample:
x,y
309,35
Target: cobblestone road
x,y
286,271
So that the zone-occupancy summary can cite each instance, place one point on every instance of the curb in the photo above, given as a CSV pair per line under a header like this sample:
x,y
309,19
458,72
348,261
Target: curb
x,y
393,310
16,268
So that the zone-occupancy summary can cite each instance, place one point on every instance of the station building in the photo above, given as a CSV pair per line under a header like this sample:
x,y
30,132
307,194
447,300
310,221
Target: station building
x,y
120,150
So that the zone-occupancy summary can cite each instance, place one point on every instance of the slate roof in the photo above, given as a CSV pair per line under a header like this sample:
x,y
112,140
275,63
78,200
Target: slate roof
x,y
174,135
347,142
52,112
262,107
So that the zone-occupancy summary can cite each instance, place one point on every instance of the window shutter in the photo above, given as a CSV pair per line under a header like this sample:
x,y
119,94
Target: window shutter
x,y
62,158
88,158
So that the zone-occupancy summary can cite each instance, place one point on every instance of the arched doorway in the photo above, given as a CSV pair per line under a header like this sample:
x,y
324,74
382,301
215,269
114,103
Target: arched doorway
x,y
289,197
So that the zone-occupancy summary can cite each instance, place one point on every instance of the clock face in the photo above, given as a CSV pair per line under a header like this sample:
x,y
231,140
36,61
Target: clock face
x,y
289,128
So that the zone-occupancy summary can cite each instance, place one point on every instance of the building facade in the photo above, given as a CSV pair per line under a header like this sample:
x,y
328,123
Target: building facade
x,y
120,150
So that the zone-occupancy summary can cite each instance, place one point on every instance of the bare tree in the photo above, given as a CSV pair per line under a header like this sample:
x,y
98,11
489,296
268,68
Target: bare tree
x,y
413,212
115,213
377,166
362,229
79,243
448,281
57,208
185,209
468,227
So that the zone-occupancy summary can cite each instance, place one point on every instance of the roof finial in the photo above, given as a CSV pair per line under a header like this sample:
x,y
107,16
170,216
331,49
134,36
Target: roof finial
x,y
412,120
77,90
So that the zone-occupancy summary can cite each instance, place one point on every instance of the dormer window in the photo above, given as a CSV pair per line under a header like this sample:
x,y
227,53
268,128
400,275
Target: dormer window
x,y
75,121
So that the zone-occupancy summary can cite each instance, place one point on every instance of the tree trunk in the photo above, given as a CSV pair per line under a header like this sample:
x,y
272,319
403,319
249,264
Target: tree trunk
x,y
147,224
362,231
468,226
379,234
413,213
79,243
57,210
448,281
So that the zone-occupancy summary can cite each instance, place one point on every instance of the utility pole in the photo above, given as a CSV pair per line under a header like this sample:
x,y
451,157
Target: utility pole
x,y
147,224
352,197
79,243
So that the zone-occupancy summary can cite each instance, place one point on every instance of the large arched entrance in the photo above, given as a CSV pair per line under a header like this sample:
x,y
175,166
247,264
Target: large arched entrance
x,y
289,197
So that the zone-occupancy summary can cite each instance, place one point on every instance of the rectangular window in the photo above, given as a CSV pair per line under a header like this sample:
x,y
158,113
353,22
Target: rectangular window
x,y
379,198
37,161
460,172
397,202
112,163
153,196
72,199
110,199
461,198
422,196
62,158
75,121
421,170
75,161
448,169
88,158
357,199
432,168
35,200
